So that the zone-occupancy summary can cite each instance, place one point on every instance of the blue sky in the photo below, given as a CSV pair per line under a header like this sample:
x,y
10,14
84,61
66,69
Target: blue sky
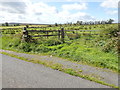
x,y
94,9
47,12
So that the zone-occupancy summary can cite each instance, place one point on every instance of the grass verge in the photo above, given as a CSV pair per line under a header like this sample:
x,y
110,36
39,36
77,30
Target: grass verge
x,y
60,67
68,59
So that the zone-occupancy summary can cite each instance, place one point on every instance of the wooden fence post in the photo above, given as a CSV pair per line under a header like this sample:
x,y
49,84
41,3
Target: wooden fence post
x,y
47,34
58,34
118,44
27,26
62,35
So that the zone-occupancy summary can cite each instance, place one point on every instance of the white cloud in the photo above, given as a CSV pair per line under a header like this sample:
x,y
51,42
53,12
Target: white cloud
x,y
28,12
75,6
41,8
110,4
13,7
112,12
25,11
54,0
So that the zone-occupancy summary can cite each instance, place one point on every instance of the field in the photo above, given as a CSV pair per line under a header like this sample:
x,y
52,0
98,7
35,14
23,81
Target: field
x,y
95,45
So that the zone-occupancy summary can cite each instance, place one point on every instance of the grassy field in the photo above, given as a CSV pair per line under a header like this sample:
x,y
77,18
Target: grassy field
x,y
97,50
5,27
21,26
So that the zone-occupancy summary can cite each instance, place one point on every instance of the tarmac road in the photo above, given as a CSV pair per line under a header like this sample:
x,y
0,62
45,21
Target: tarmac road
x,y
20,74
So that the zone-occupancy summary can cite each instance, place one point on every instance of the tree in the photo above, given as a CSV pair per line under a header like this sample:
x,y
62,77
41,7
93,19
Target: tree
x,y
6,24
74,24
3,24
110,21
56,24
99,22
79,22
60,24
49,25
17,24
70,23
102,22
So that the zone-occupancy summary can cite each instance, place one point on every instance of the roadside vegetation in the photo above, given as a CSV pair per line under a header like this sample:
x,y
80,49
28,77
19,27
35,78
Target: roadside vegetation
x,y
97,50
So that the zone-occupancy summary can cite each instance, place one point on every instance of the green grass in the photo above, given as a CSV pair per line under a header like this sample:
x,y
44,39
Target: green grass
x,y
60,67
5,27
78,50
99,51
87,54
66,27
21,26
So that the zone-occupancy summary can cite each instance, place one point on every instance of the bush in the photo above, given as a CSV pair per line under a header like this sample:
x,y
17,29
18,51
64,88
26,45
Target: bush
x,y
111,45
11,41
101,43
111,39
52,42
14,43
73,36
85,28
111,31
25,47
90,27
42,49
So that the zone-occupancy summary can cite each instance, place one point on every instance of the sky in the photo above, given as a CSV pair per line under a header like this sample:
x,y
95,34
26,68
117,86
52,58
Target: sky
x,y
57,11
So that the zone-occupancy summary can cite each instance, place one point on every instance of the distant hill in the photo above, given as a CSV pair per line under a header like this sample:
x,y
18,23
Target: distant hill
x,y
28,23
12,23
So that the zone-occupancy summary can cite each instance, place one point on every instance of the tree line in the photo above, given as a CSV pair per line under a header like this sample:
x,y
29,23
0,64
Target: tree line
x,y
110,21
7,24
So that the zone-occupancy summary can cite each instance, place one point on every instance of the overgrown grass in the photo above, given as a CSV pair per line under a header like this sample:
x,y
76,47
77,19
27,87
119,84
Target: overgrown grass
x,y
100,51
60,67
87,54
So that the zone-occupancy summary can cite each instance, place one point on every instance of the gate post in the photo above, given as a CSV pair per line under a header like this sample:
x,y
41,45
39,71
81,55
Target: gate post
x,y
118,44
62,35
47,34
58,34
25,35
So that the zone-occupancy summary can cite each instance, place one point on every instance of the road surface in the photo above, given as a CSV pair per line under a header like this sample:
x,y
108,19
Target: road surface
x,y
20,74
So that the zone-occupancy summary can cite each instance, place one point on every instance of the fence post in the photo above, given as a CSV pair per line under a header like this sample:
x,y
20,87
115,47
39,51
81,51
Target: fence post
x,y
25,34
47,34
118,44
62,35
27,26
58,34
